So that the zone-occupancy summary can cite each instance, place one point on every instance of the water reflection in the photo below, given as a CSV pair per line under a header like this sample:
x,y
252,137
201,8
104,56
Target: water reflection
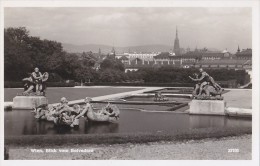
x,y
101,127
22,122
198,121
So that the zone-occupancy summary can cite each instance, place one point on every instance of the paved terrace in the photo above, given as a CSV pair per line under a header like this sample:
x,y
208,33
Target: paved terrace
x,y
238,98
114,96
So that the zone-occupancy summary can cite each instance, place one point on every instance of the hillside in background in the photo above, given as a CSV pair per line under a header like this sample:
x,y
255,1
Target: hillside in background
x,y
72,48
106,48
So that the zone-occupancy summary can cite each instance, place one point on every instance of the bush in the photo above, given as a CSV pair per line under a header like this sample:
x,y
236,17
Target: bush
x,y
248,87
180,75
60,84
140,84
54,77
10,84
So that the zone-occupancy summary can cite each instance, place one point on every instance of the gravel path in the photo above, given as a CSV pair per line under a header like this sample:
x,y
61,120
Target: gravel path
x,y
207,149
241,98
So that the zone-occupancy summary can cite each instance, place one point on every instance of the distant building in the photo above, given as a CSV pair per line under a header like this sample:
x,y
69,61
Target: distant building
x,y
143,56
197,59
119,55
244,54
137,63
165,58
238,49
112,53
99,51
176,47
124,60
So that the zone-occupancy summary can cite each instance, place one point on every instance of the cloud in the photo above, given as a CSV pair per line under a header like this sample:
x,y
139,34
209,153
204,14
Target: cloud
x,y
205,27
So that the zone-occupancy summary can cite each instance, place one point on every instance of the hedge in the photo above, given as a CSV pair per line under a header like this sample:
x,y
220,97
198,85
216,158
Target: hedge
x,y
140,84
11,84
148,84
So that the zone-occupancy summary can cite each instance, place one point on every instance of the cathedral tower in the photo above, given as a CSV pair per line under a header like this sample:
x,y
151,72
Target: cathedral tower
x,y
176,47
238,49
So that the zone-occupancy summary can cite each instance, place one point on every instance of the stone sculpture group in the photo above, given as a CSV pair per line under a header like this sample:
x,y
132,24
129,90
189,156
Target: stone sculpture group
x,y
35,84
206,88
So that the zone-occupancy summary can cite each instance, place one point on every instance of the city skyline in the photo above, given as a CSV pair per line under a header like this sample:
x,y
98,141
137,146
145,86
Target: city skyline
x,y
220,28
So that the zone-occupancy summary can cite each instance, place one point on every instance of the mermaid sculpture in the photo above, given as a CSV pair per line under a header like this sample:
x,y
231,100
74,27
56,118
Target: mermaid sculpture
x,y
110,113
64,115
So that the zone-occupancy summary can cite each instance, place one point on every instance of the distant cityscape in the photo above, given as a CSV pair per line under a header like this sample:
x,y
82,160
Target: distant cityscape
x,y
184,58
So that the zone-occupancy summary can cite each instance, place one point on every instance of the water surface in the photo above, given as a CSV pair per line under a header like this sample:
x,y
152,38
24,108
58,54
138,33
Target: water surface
x,y
22,122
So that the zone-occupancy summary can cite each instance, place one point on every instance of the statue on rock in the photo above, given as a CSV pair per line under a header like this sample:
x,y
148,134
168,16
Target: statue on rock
x,y
35,84
206,88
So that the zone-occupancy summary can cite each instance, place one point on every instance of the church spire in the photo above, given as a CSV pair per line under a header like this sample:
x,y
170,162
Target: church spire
x,y
176,46
99,51
176,32
196,48
238,49
113,51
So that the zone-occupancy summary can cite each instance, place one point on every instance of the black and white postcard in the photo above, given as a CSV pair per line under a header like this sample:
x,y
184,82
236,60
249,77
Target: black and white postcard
x,y
171,81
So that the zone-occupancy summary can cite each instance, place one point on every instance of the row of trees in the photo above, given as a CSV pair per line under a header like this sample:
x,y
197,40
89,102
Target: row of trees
x,y
180,75
24,52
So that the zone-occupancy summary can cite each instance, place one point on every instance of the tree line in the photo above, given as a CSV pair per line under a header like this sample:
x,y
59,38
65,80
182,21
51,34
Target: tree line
x,y
23,52
169,74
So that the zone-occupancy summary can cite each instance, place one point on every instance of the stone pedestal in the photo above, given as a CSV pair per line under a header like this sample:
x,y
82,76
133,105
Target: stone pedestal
x,y
207,107
28,102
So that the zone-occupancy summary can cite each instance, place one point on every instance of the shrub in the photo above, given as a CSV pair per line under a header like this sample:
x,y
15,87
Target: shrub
x,y
10,84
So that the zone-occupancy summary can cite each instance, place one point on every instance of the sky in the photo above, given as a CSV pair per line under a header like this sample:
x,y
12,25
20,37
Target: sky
x,y
220,28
